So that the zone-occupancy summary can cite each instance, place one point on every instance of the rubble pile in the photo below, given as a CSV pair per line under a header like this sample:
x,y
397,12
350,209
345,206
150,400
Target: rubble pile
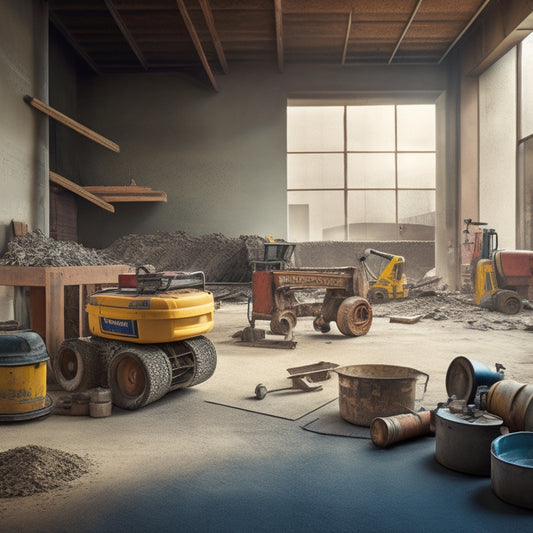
x,y
221,258
36,250
32,469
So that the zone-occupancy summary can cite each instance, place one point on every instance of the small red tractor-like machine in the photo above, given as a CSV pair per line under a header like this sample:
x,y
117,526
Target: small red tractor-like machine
x,y
501,278
274,299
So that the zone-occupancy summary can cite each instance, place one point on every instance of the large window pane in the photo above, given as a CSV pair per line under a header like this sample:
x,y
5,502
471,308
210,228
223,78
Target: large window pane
x,y
315,171
416,171
326,213
371,206
526,127
315,129
371,171
416,207
370,128
416,127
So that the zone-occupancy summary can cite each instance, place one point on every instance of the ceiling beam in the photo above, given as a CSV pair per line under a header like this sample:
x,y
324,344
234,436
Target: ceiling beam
x,y
405,30
463,31
279,32
66,34
347,38
126,33
210,21
196,41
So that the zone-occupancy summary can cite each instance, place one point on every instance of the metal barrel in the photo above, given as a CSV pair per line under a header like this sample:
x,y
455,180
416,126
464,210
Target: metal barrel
x,y
385,431
513,402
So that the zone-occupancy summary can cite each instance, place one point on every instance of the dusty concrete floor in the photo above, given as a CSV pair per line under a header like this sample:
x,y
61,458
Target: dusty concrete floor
x,y
185,464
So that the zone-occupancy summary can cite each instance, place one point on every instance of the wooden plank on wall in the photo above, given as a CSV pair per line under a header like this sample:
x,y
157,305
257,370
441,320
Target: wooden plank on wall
x,y
71,123
80,191
127,193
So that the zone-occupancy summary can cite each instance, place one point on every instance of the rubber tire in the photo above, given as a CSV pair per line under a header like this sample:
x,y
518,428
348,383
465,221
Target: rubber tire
x,y
283,322
377,295
319,324
138,375
205,358
77,365
354,316
507,302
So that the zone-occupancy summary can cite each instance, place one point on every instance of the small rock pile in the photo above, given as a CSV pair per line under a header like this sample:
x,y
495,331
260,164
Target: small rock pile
x,y
33,469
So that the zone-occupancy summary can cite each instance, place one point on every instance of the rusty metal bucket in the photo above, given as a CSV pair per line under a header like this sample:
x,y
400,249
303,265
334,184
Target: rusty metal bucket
x,y
370,391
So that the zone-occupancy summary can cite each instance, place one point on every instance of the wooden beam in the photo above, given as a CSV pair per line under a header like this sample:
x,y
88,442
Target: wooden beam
x,y
126,193
210,21
347,38
278,14
66,34
196,41
71,123
405,30
126,33
80,191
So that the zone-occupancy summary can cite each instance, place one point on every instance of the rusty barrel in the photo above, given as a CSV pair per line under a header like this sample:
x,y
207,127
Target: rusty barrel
x,y
385,431
513,402
370,391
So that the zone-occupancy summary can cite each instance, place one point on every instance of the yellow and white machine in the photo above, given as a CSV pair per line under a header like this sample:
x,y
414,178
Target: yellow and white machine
x,y
391,284
147,339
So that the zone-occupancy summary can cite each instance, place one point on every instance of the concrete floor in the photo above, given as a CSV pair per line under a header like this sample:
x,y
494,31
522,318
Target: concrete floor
x,y
185,464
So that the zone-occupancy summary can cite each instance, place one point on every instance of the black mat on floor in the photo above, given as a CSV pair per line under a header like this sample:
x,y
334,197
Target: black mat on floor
x,y
330,422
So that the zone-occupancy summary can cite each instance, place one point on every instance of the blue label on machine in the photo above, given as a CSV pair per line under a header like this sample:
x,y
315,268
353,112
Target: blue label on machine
x,y
119,326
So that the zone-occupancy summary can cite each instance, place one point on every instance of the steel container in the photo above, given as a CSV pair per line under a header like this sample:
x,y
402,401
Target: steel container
x,y
512,468
462,443
512,401
370,391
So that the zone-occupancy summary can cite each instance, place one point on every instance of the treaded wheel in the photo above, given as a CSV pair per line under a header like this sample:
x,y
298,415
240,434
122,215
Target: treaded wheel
x,y
508,302
378,295
283,322
139,375
205,357
354,316
77,365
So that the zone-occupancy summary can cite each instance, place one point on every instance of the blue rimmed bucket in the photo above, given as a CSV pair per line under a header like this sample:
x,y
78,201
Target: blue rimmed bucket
x,y
465,375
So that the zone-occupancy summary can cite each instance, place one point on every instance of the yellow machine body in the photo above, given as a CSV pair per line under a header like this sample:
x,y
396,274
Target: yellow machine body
x,y
151,318
393,279
485,280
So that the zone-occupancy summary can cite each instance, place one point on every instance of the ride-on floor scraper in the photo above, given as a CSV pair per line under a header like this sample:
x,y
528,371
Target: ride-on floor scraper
x,y
147,339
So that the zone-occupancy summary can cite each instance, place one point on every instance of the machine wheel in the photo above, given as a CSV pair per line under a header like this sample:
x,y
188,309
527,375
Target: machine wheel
x,y
354,316
508,302
377,295
139,375
77,365
321,325
205,358
283,322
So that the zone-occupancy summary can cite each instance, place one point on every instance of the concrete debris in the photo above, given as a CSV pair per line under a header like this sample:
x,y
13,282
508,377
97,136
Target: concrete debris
x,y
36,250
221,258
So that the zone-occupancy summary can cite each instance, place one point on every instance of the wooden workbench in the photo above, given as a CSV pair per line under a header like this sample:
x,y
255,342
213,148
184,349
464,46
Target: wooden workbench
x,y
47,294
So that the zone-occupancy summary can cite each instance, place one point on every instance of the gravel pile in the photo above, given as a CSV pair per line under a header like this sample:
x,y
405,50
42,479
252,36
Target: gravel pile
x,y
221,258
36,250
33,469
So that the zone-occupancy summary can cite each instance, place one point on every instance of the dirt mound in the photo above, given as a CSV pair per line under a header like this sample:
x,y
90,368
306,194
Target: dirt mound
x,y
221,258
32,469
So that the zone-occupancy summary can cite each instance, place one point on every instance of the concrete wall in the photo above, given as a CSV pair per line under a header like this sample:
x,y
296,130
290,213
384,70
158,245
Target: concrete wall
x,y
219,156
23,130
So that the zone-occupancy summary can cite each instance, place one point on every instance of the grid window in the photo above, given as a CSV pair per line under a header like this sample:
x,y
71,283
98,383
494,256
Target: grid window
x,y
361,172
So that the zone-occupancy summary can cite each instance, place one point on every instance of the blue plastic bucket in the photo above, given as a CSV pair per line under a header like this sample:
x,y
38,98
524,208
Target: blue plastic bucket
x,y
465,375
